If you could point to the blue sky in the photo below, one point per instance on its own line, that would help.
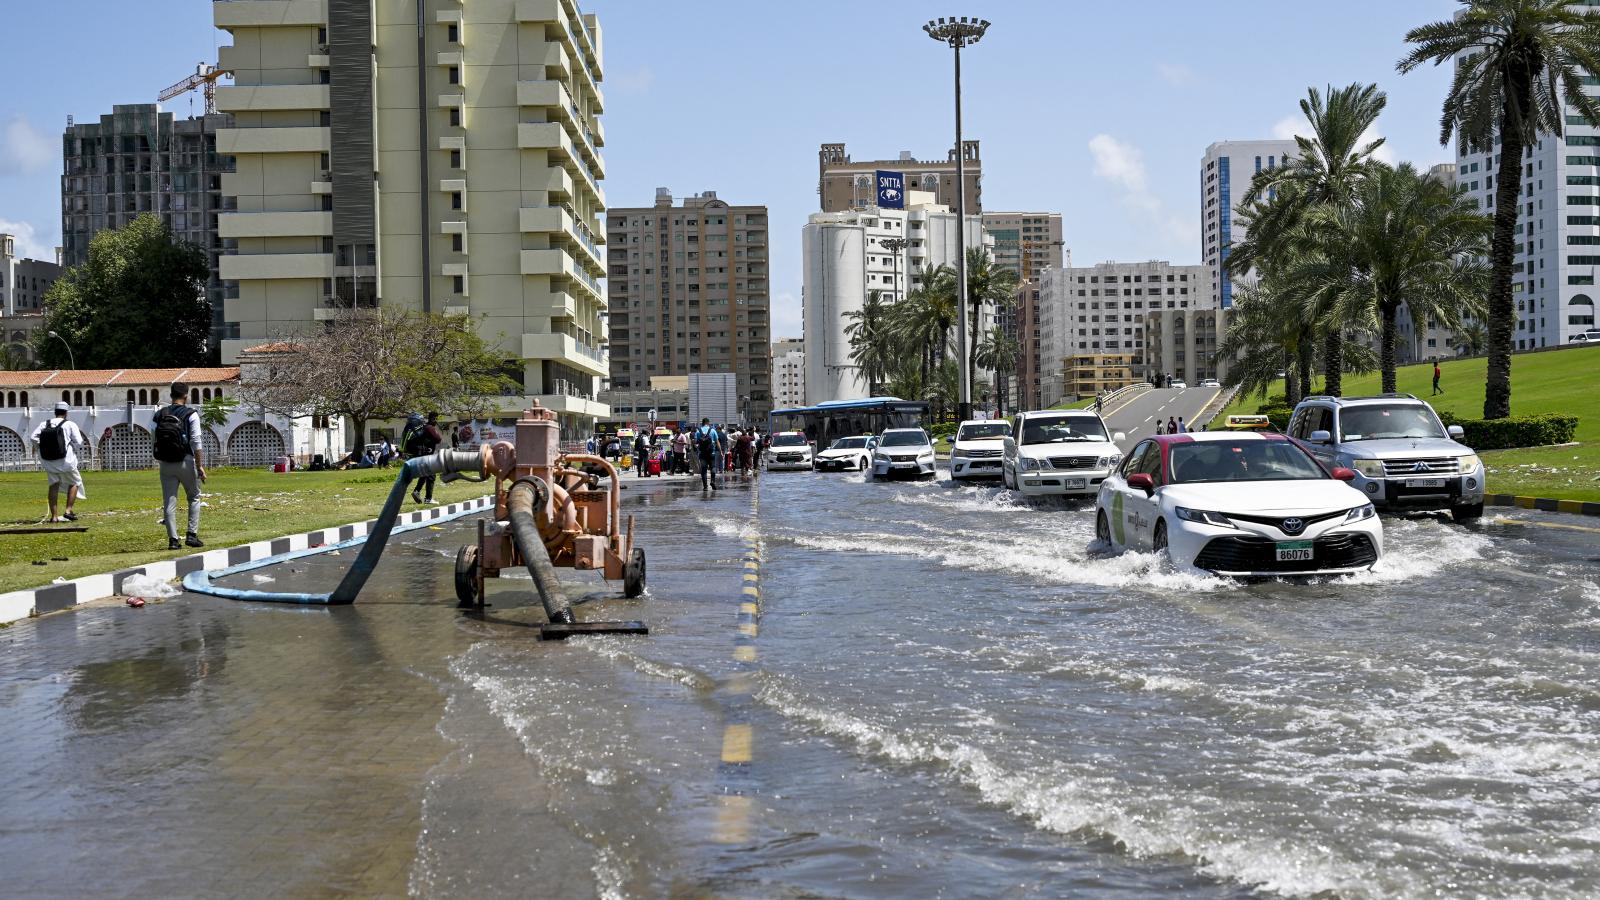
(1099, 111)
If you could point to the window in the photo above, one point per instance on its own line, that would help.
(456, 242)
(455, 200)
(455, 116)
(453, 34)
(455, 74)
(1580, 279)
(455, 159)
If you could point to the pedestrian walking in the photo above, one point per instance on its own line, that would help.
(705, 444)
(588, 445)
(455, 438)
(641, 454)
(179, 449)
(1172, 425)
(57, 440)
(422, 440)
(744, 451)
(680, 452)
(1182, 428)
(1436, 389)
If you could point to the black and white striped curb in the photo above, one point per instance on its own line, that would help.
(67, 594)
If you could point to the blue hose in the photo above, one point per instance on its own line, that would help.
(374, 541)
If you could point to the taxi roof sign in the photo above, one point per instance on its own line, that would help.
(1253, 422)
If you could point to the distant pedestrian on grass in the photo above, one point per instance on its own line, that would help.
(178, 451)
(57, 440)
(1436, 389)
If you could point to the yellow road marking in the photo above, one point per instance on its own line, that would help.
(733, 819)
(748, 629)
(751, 576)
(748, 607)
(742, 683)
(736, 744)
(744, 654)
(752, 591)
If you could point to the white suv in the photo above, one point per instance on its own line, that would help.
(978, 449)
(789, 450)
(1064, 452)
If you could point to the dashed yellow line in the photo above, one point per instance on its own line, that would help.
(733, 819)
(748, 607)
(1561, 525)
(736, 741)
(748, 629)
(745, 654)
(752, 591)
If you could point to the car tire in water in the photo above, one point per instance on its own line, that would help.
(861, 465)
(1006, 479)
(1160, 540)
(1468, 513)
(1102, 528)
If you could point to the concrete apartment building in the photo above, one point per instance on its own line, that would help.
(23, 284)
(1026, 242)
(1225, 174)
(1182, 343)
(788, 373)
(450, 164)
(843, 260)
(689, 292)
(1100, 310)
(844, 184)
(137, 160)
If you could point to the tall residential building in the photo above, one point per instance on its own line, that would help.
(140, 160)
(1026, 242)
(788, 373)
(1099, 310)
(1225, 175)
(690, 293)
(1028, 331)
(843, 260)
(844, 184)
(1558, 229)
(23, 283)
(1182, 343)
(448, 164)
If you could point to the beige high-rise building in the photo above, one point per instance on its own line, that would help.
(450, 165)
(690, 294)
(844, 184)
(1026, 242)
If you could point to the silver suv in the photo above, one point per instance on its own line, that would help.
(1403, 456)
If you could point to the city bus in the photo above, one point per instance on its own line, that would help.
(827, 422)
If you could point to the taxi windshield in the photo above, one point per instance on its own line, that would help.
(1242, 461)
(788, 440)
(855, 443)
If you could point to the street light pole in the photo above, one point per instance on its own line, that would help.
(71, 362)
(958, 33)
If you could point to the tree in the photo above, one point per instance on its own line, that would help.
(1404, 239)
(923, 319)
(1471, 338)
(871, 345)
(986, 283)
(214, 413)
(14, 358)
(1516, 63)
(138, 301)
(1266, 336)
(381, 364)
(998, 352)
(1331, 162)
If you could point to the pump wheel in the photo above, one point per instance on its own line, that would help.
(467, 577)
(633, 574)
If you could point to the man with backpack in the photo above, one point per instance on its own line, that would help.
(56, 440)
(420, 438)
(706, 447)
(178, 449)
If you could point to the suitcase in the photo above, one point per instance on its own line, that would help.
(655, 466)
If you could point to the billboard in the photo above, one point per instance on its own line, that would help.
(891, 190)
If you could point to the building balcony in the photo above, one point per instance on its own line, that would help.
(448, 58)
(269, 13)
(452, 101)
(571, 31)
(553, 138)
(559, 222)
(318, 60)
(449, 17)
(269, 97)
(558, 184)
(274, 266)
(274, 224)
(566, 349)
(575, 404)
(295, 139)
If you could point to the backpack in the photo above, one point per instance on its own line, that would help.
(53, 440)
(415, 430)
(704, 440)
(172, 433)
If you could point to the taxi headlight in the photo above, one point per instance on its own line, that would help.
(1470, 463)
(1369, 468)
(1204, 517)
(1365, 511)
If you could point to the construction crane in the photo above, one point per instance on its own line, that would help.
(205, 77)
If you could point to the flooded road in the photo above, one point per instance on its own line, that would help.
(946, 694)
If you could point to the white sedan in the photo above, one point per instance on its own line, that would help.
(1238, 504)
(847, 454)
(978, 449)
(903, 453)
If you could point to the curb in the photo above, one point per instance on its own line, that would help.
(1572, 507)
(53, 597)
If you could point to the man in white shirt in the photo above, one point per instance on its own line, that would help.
(57, 440)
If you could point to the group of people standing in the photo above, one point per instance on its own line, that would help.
(1172, 426)
(706, 449)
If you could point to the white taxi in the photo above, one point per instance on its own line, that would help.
(790, 451)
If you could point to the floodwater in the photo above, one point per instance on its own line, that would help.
(948, 695)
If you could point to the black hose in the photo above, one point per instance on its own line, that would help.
(525, 494)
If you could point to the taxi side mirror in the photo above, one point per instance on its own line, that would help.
(1143, 482)
(1344, 474)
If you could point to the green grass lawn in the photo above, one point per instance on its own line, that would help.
(1561, 381)
(124, 509)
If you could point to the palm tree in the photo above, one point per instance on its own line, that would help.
(1329, 166)
(998, 352)
(986, 283)
(1404, 239)
(871, 343)
(1266, 334)
(1518, 65)
(1471, 338)
(923, 319)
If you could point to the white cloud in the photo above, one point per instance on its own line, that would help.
(1123, 165)
(1175, 74)
(1291, 126)
(25, 150)
(29, 243)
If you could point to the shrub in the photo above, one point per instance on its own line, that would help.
(943, 430)
(1278, 410)
(1513, 431)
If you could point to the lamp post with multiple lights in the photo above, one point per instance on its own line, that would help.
(958, 33)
